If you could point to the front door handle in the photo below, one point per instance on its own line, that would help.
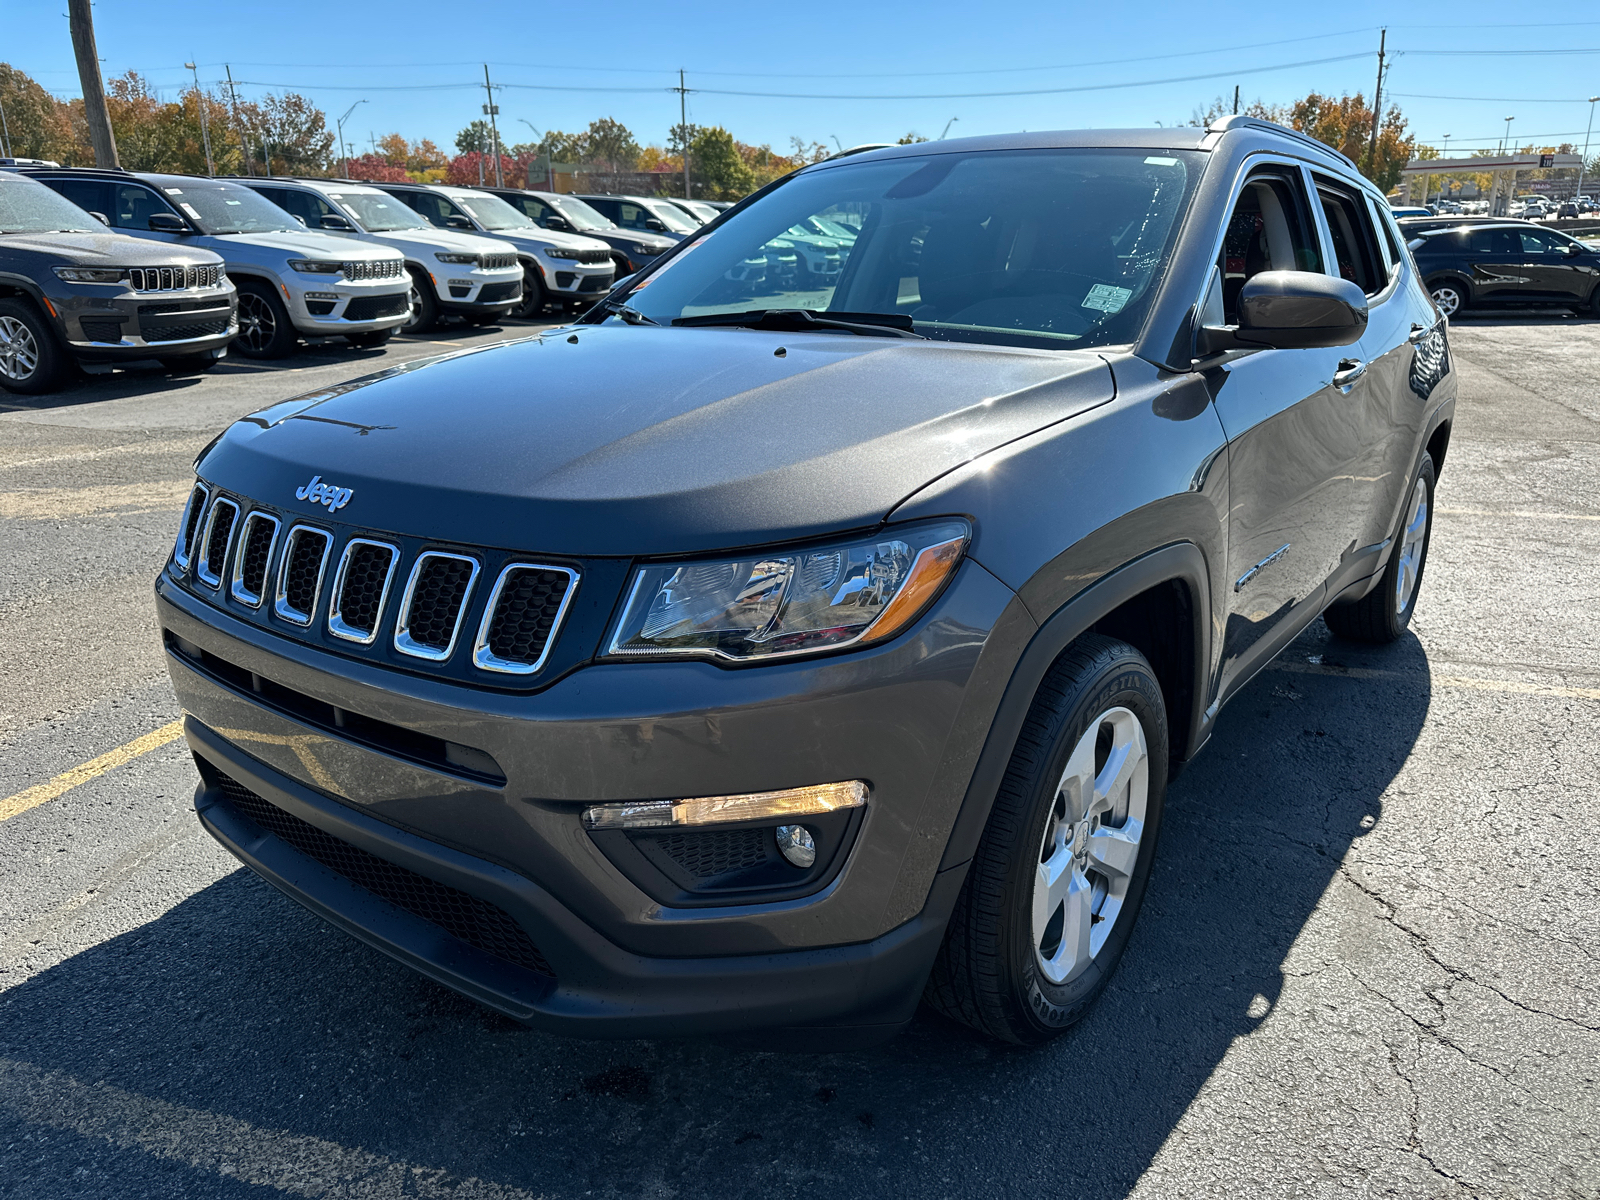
(1418, 332)
(1350, 370)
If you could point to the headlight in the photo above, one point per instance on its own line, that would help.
(783, 603)
(91, 274)
(312, 266)
(456, 258)
(563, 252)
(646, 251)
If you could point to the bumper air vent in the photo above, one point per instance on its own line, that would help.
(189, 526)
(499, 293)
(101, 330)
(361, 589)
(305, 557)
(707, 855)
(185, 333)
(524, 612)
(370, 308)
(214, 544)
(465, 917)
(256, 542)
(434, 603)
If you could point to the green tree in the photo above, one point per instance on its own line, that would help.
(909, 139)
(612, 143)
(718, 170)
(296, 135)
(474, 139)
(1345, 123)
(40, 126)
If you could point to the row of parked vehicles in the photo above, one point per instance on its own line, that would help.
(99, 266)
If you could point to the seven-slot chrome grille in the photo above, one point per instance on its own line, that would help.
(173, 279)
(356, 589)
(384, 268)
(494, 262)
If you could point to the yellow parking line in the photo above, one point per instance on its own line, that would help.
(95, 767)
(1530, 516)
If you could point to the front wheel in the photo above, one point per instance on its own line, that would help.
(31, 361)
(1053, 892)
(423, 314)
(1383, 614)
(1450, 296)
(264, 329)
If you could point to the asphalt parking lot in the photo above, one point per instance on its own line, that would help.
(1367, 965)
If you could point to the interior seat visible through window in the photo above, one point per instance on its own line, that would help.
(1353, 251)
(1269, 230)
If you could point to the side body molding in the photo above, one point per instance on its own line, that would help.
(1182, 562)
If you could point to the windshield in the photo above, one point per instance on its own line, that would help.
(1021, 247)
(27, 206)
(218, 208)
(492, 212)
(378, 212)
(579, 214)
(672, 217)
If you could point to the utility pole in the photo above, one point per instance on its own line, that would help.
(492, 110)
(5, 133)
(1377, 103)
(238, 125)
(683, 130)
(1236, 99)
(200, 103)
(1584, 161)
(94, 90)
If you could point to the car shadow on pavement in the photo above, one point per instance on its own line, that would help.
(237, 1004)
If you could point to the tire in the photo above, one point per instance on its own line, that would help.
(424, 307)
(534, 297)
(1450, 296)
(32, 361)
(1012, 964)
(264, 329)
(191, 364)
(1593, 307)
(1382, 615)
(369, 341)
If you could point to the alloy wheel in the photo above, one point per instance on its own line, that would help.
(1090, 845)
(1448, 299)
(19, 350)
(257, 323)
(414, 299)
(1411, 540)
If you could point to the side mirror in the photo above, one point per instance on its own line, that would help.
(299, 218)
(559, 224)
(1291, 310)
(101, 217)
(655, 224)
(456, 221)
(335, 221)
(619, 284)
(166, 223)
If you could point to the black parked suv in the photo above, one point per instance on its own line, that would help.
(72, 291)
(1495, 263)
(699, 668)
(632, 250)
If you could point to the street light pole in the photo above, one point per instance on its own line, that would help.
(344, 150)
(1584, 161)
(1505, 138)
(1444, 180)
(200, 103)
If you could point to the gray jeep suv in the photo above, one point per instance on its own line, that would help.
(71, 290)
(701, 668)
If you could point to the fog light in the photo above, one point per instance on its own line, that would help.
(322, 295)
(797, 844)
(711, 810)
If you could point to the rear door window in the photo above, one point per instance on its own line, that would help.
(135, 205)
(1355, 249)
(88, 194)
(1494, 241)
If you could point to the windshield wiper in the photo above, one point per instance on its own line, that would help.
(866, 324)
(630, 315)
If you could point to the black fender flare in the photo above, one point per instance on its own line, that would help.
(1181, 562)
(52, 319)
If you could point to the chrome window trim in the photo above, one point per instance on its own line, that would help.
(403, 640)
(485, 659)
(336, 624)
(236, 587)
(280, 602)
(202, 564)
(181, 554)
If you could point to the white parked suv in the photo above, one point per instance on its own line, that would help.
(561, 268)
(292, 281)
(471, 276)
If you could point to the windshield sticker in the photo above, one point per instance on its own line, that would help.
(227, 201)
(1106, 298)
(189, 208)
(174, 191)
(1160, 162)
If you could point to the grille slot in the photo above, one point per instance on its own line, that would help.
(361, 589)
(435, 601)
(521, 619)
(259, 536)
(370, 308)
(305, 558)
(465, 917)
(188, 526)
(707, 855)
(214, 546)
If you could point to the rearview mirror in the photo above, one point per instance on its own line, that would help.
(334, 221)
(166, 223)
(1291, 310)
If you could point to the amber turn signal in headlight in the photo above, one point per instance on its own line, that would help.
(714, 810)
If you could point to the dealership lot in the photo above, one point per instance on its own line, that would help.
(1367, 964)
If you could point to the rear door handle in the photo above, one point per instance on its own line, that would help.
(1350, 370)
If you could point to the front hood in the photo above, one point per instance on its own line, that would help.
(532, 238)
(444, 239)
(108, 249)
(636, 440)
(308, 243)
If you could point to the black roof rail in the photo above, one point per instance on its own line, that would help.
(1243, 120)
(861, 149)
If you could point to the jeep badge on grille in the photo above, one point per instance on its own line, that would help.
(325, 494)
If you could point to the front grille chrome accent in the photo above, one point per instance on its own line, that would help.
(305, 558)
(183, 551)
(386, 268)
(361, 590)
(518, 628)
(214, 543)
(173, 279)
(251, 560)
(434, 602)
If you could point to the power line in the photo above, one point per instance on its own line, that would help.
(1493, 99)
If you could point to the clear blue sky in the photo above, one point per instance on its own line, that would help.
(415, 64)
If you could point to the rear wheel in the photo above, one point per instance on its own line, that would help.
(1450, 296)
(424, 313)
(1383, 614)
(1055, 887)
(264, 329)
(369, 341)
(31, 360)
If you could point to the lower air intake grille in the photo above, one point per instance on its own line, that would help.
(705, 855)
(463, 916)
(499, 293)
(528, 603)
(182, 333)
(102, 331)
(370, 308)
